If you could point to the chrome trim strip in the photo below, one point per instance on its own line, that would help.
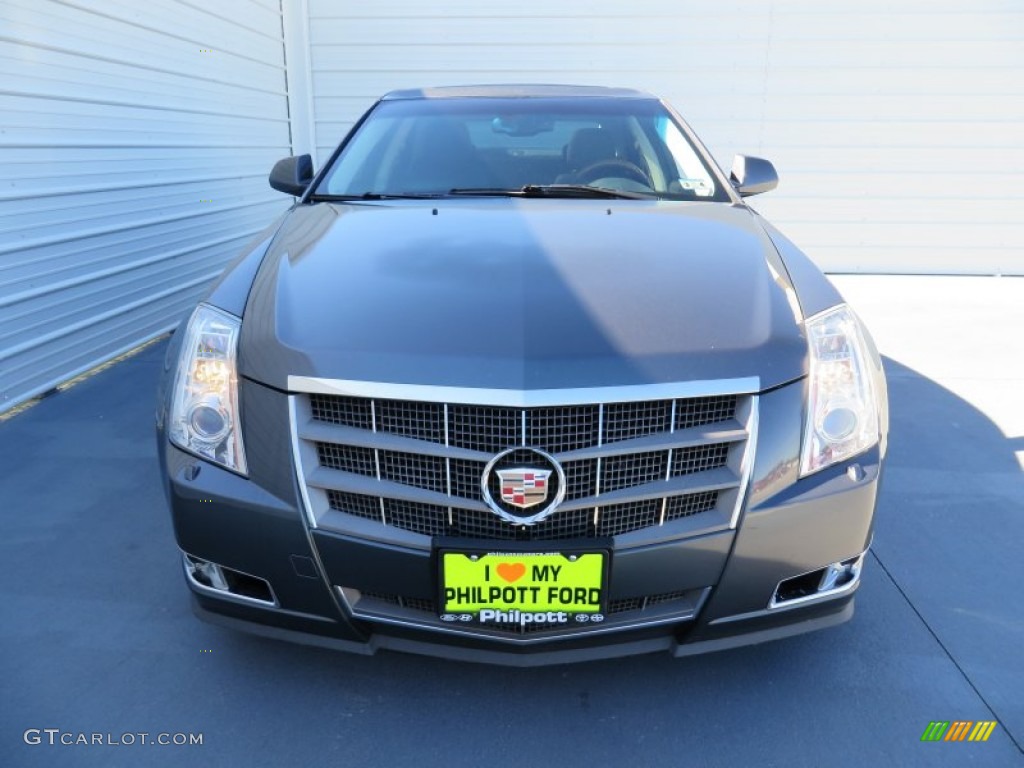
(519, 398)
(447, 468)
(376, 459)
(597, 468)
(747, 468)
(299, 469)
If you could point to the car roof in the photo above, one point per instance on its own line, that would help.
(524, 91)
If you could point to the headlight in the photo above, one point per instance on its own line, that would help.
(204, 405)
(842, 412)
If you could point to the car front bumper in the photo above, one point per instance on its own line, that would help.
(721, 589)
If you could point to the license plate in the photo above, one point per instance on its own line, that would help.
(501, 588)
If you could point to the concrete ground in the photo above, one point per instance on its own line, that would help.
(97, 636)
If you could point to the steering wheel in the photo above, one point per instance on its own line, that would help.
(620, 168)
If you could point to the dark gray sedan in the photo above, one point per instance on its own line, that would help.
(520, 378)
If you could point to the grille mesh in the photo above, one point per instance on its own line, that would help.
(579, 478)
(691, 504)
(490, 430)
(698, 458)
(414, 469)
(621, 605)
(567, 428)
(422, 421)
(466, 476)
(427, 519)
(355, 504)
(433, 520)
(620, 518)
(345, 411)
(632, 469)
(574, 524)
(484, 429)
(624, 421)
(698, 411)
(347, 458)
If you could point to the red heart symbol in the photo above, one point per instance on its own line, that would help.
(511, 571)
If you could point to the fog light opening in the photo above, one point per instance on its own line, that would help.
(218, 578)
(830, 581)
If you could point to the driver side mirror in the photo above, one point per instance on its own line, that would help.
(292, 174)
(752, 175)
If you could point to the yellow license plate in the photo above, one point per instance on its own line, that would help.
(528, 587)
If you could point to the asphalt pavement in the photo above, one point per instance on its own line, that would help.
(97, 639)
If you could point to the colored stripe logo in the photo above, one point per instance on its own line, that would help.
(959, 730)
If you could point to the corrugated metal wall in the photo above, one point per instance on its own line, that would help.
(896, 127)
(135, 138)
(135, 145)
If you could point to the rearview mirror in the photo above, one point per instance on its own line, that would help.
(292, 174)
(753, 175)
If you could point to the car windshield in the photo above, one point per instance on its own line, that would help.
(580, 147)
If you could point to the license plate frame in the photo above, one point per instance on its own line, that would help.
(524, 578)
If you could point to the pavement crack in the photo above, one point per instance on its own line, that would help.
(949, 655)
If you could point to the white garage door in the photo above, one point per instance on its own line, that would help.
(896, 127)
(135, 145)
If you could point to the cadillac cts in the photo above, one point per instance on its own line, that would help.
(520, 378)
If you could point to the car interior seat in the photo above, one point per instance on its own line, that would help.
(586, 147)
(439, 156)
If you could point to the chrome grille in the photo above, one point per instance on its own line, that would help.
(418, 466)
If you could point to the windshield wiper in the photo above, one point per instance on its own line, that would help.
(377, 196)
(554, 190)
(529, 190)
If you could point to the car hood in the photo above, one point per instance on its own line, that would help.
(522, 294)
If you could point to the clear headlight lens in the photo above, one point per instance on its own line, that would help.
(204, 406)
(842, 412)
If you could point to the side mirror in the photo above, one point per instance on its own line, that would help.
(292, 174)
(752, 175)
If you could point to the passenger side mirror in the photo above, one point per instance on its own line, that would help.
(292, 174)
(752, 175)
